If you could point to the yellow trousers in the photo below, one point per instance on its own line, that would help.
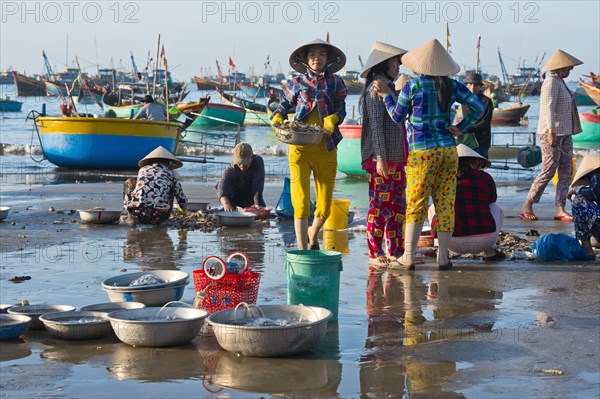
(323, 165)
(431, 173)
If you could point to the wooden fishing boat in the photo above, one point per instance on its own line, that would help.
(253, 91)
(256, 114)
(8, 105)
(592, 92)
(590, 136)
(110, 101)
(353, 83)
(103, 143)
(205, 84)
(581, 97)
(28, 87)
(509, 113)
(219, 116)
(348, 155)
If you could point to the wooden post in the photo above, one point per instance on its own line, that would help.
(155, 66)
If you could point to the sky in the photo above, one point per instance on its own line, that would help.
(197, 33)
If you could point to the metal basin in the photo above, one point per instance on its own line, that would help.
(77, 326)
(197, 206)
(12, 326)
(108, 307)
(262, 213)
(4, 307)
(157, 327)
(236, 219)
(121, 283)
(4, 212)
(99, 215)
(35, 311)
(307, 330)
(149, 297)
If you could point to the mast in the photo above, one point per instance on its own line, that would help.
(156, 66)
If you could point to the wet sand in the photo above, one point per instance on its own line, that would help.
(506, 329)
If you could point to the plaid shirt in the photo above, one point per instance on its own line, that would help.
(556, 107)
(428, 122)
(381, 137)
(325, 92)
(474, 194)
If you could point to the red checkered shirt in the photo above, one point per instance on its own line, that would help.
(474, 194)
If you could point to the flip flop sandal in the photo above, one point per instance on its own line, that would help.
(380, 262)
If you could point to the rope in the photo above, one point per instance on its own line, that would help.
(33, 115)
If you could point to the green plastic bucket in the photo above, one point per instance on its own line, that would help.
(314, 279)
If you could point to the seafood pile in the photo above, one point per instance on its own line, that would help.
(295, 132)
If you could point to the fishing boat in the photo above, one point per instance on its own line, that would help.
(219, 116)
(581, 97)
(110, 101)
(205, 84)
(509, 113)
(349, 158)
(352, 82)
(103, 143)
(28, 87)
(592, 92)
(253, 91)
(256, 114)
(590, 136)
(8, 105)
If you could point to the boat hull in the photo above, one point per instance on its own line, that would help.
(103, 143)
(349, 158)
(220, 112)
(590, 136)
(10, 106)
(509, 116)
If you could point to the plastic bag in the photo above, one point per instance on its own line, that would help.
(559, 246)
(146, 279)
(284, 207)
(468, 139)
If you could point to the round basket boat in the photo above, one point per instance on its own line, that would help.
(300, 135)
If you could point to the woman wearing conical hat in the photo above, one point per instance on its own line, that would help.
(478, 218)
(383, 151)
(559, 121)
(319, 98)
(432, 159)
(585, 199)
(148, 199)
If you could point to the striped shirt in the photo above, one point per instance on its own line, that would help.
(381, 138)
(324, 92)
(427, 121)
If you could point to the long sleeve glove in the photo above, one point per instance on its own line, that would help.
(329, 123)
(277, 119)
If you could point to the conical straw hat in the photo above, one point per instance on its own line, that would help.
(430, 59)
(160, 153)
(465, 151)
(590, 163)
(560, 59)
(400, 82)
(332, 54)
(381, 52)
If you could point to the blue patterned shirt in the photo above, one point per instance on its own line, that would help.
(325, 92)
(427, 121)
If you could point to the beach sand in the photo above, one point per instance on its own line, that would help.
(506, 329)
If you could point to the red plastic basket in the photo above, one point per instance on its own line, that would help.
(227, 291)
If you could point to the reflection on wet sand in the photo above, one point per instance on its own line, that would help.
(251, 242)
(397, 305)
(313, 374)
(18, 349)
(156, 364)
(151, 247)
